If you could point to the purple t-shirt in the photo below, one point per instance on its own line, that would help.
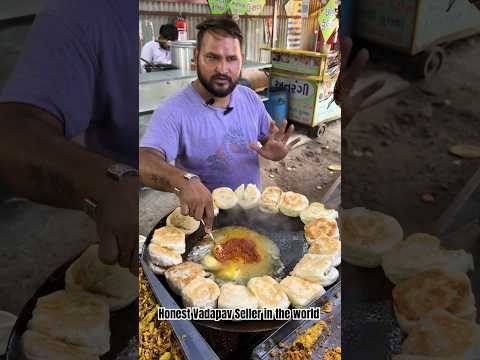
(80, 63)
(204, 141)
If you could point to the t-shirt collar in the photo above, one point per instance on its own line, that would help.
(200, 99)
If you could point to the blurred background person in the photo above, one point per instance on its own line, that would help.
(158, 51)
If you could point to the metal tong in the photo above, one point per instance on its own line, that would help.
(209, 233)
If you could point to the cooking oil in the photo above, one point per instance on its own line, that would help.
(240, 253)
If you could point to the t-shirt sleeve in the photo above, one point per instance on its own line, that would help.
(56, 71)
(146, 54)
(163, 133)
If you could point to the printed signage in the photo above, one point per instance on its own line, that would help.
(255, 7)
(328, 19)
(218, 7)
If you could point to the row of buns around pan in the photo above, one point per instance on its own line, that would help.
(306, 282)
(433, 300)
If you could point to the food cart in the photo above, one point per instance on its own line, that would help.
(417, 28)
(310, 79)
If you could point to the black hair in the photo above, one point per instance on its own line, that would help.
(169, 32)
(221, 25)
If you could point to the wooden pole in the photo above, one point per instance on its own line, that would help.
(275, 23)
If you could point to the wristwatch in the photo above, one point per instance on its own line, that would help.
(116, 172)
(187, 176)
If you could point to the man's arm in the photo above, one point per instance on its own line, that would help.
(146, 54)
(157, 173)
(50, 169)
(47, 168)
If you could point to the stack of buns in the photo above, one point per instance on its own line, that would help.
(196, 285)
(166, 248)
(432, 300)
(74, 323)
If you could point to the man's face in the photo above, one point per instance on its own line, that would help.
(219, 64)
(164, 42)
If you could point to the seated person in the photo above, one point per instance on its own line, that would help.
(158, 51)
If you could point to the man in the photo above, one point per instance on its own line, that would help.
(78, 76)
(211, 129)
(158, 51)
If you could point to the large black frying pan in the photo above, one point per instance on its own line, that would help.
(286, 232)
(123, 323)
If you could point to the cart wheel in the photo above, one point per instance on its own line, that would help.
(321, 130)
(317, 131)
(429, 62)
(313, 132)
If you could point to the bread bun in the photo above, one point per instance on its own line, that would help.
(201, 292)
(169, 237)
(292, 204)
(317, 210)
(301, 292)
(187, 224)
(224, 198)
(270, 199)
(37, 346)
(163, 257)
(269, 293)
(422, 252)
(73, 317)
(430, 290)
(367, 235)
(115, 284)
(248, 196)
